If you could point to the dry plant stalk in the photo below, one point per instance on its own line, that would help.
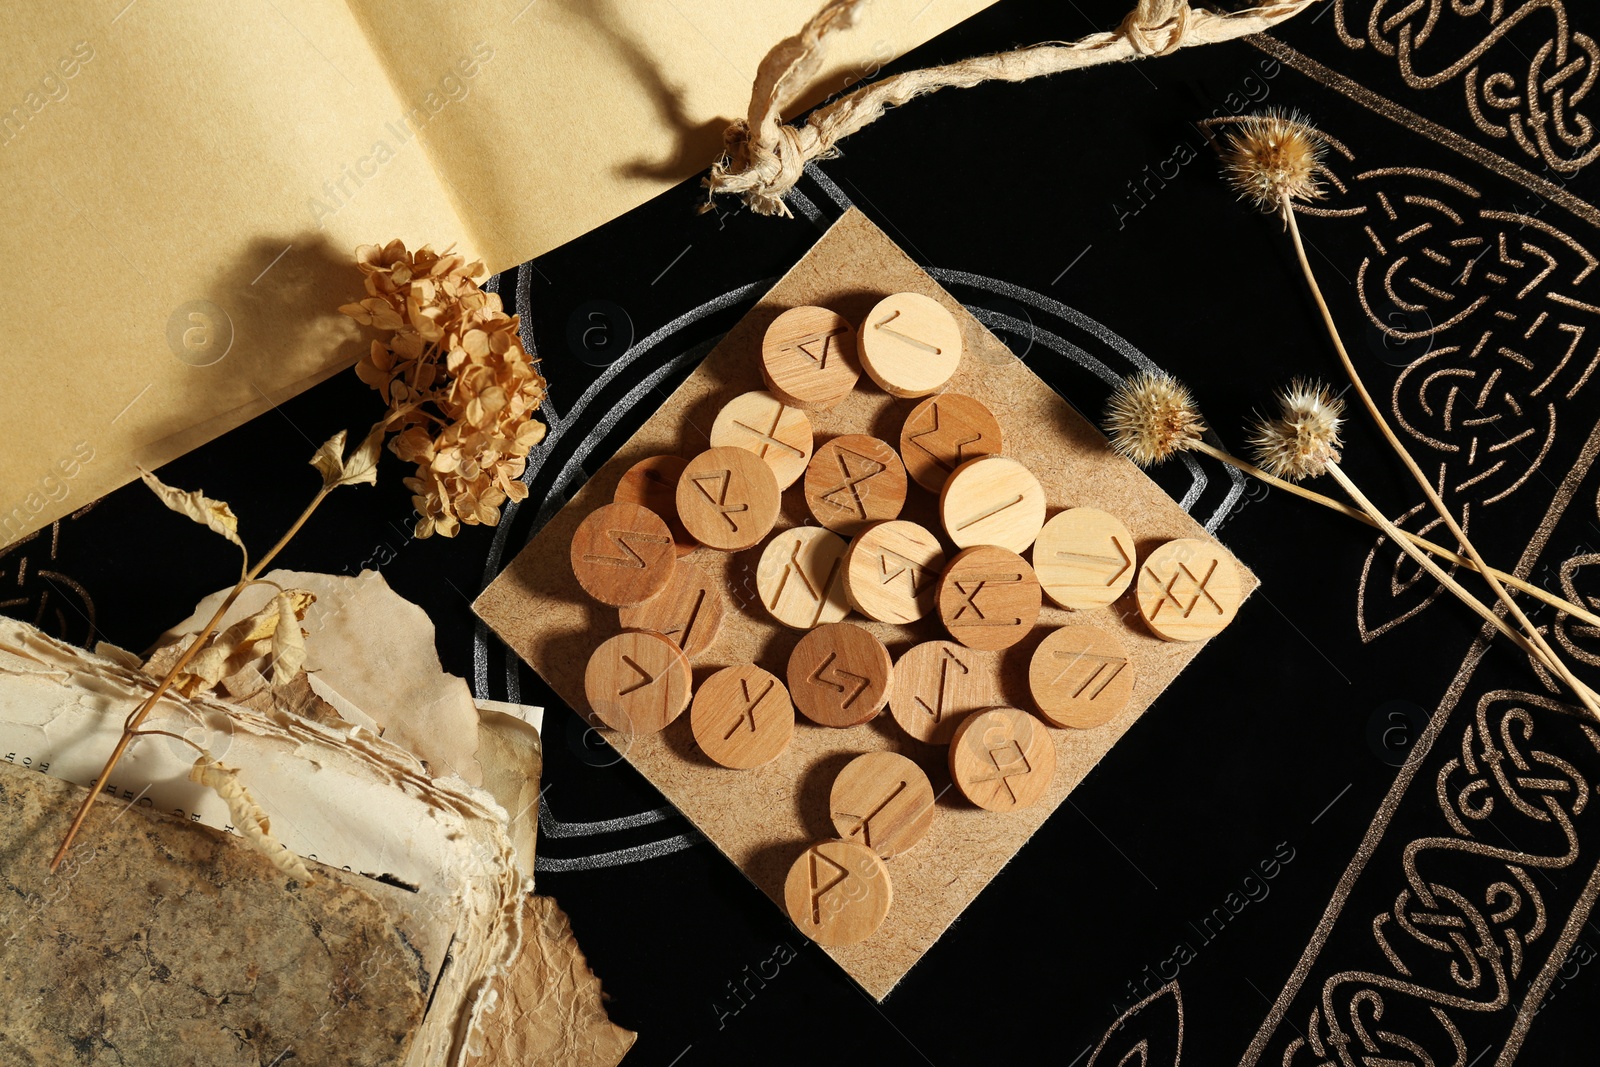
(763, 157)
(461, 388)
(1273, 159)
(280, 623)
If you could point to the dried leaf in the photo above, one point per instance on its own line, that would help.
(288, 642)
(211, 664)
(362, 466)
(213, 514)
(248, 818)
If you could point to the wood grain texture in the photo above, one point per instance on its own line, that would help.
(653, 483)
(742, 717)
(728, 498)
(637, 682)
(882, 800)
(839, 675)
(992, 500)
(988, 597)
(942, 433)
(1080, 676)
(800, 578)
(1189, 589)
(759, 422)
(854, 481)
(1002, 759)
(939, 683)
(910, 345)
(689, 610)
(763, 818)
(891, 571)
(838, 892)
(1084, 558)
(622, 554)
(808, 358)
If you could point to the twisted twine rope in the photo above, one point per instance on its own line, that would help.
(763, 157)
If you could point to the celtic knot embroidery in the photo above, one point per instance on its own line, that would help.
(1526, 80)
(1463, 929)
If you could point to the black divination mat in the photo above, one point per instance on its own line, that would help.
(1348, 831)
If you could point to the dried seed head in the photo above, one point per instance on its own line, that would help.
(1304, 437)
(1152, 417)
(1272, 158)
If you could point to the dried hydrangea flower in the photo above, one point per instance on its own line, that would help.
(1152, 417)
(1304, 437)
(1272, 158)
(461, 388)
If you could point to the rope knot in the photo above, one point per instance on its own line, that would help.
(760, 171)
(1153, 19)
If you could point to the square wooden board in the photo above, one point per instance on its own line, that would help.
(764, 819)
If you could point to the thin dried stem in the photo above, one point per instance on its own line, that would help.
(1547, 654)
(130, 728)
(1566, 607)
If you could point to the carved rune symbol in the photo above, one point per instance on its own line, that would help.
(625, 540)
(863, 824)
(723, 481)
(796, 567)
(946, 439)
(747, 717)
(992, 512)
(969, 588)
(823, 881)
(766, 436)
(883, 326)
(1009, 762)
(1106, 669)
(861, 681)
(681, 632)
(1118, 564)
(937, 708)
(646, 679)
(916, 577)
(1200, 591)
(866, 469)
(817, 347)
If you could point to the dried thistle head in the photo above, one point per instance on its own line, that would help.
(461, 388)
(1303, 438)
(1152, 417)
(1272, 158)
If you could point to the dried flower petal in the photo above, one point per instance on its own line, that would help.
(215, 515)
(248, 817)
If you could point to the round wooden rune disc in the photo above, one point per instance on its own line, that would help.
(1002, 759)
(910, 345)
(777, 432)
(800, 578)
(992, 500)
(942, 433)
(891, 571)
(939, 683)
(728, 498)
(838, 892)
(1080, 676)
(1084, 558)
(653, 483)
(808, 358)
(688, 611)
(882, 800)
(742, 717)
(622, 554)
(853, 481)
(1188, 590)
(637, 682)
(839, 675)
(988, 597)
